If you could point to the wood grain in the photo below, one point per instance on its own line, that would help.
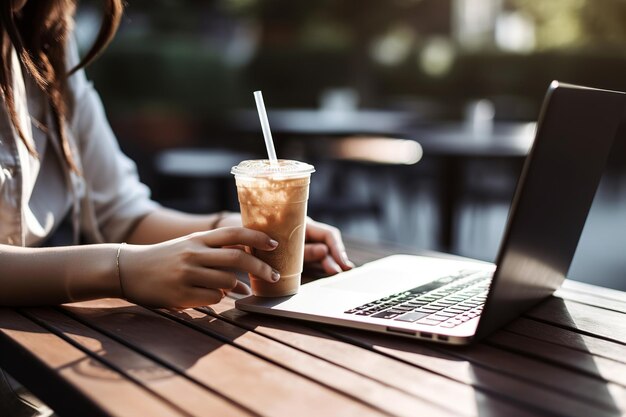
(365, 390)
(582, 318)
(591, 299)
(562, 337)
(576, 360)
(413, 380)
(169, 385)
(490, 370)
(69, 380)
(255, 384)
(606, 293)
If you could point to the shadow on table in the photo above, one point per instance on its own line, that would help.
(137, 342)
(522, 374)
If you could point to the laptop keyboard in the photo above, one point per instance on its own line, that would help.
(446, 302)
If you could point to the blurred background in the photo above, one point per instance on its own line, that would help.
(416, 113)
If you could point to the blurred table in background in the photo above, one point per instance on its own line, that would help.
(321, 134)
(314, 122)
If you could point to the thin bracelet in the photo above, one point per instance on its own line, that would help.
(117, 267)
(218, 218)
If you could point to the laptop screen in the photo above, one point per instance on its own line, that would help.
(575, 132)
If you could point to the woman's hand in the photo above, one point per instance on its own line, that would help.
(194, 270)
(324, 248)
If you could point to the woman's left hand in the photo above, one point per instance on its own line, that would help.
(324, 247)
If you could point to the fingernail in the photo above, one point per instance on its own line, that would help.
(273, 243)
(275, 275)
(345, 260)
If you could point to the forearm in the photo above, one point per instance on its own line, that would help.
(50, 276)
(165, 224)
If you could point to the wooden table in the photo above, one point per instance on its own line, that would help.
(565, 357)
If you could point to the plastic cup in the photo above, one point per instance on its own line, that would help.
(273, 199)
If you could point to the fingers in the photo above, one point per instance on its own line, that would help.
(315, 252)
(239, 260)
(232, 236)
(319, 232)
(318, 253)
(330, 266)
(212, 278)
(241, 288)
(197, 296)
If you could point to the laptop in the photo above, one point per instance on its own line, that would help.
(457, 301)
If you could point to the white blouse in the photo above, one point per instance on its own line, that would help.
(36, 194)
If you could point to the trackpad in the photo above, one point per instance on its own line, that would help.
(390, 275)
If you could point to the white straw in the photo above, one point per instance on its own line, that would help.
(265, 125)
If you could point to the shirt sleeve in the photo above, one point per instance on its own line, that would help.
(118, 197)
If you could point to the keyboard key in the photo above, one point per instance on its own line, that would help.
(471, 303)
(364, 312)
(428, 287)
(388, 314)
(411, 317)
(416, 303)
(428, 309)
(448, 325)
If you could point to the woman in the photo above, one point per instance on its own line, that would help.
(58, 158)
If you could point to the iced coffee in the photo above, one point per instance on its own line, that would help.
(273, 199)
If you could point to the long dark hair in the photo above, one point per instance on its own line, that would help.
(39, 33)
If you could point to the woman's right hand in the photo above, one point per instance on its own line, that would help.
(193, 270)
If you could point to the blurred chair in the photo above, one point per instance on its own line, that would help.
(197, 180)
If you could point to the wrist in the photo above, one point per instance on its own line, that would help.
(118, 270)
(106, 282)
(217, 219)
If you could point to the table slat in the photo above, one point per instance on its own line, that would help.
(562, 337)
(256, 384)
(582, 318)
(183, 393)
(595, 366)
(607, 293)
(456, 364)
(592, 300)
(365, 390)
(418, 382)
(68, 379)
